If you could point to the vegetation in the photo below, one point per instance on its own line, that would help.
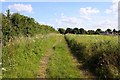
(14, 25)
(83, 31)
(61, 30)
(61, 63)
(21, 57)
(26, 42)
(99, 53)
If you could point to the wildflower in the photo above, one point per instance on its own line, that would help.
(33, 40)
(4, 69)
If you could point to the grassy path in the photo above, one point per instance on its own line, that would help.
(44, 61)
(58, 62)
(43, 64)
(62, 64)
(84, 71)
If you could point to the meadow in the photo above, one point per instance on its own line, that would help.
(21, 56)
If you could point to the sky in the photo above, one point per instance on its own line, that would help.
(87, 15)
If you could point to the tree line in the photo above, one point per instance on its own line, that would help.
(83, 31)
(19, 25)
(15, 24)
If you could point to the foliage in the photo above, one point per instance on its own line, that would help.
(108, 30)
(90, 32)
(75, 31)
(98, 31)
(20, 25)
(21, 57)
(82, 31)
(61, 30)
(99, 53)
(68, 30)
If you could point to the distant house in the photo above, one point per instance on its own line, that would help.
(104, 33)
(108, 33)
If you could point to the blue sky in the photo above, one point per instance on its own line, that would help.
(88, 15)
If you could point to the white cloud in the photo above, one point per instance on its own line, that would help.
(21, 7)
(114, 8)
(113, 12)
(2, 0)
(66, 21)
(108, 11)
(87, 12)
(105, 24)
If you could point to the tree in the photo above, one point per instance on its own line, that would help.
(68, 30)
(82, 31)
(91, 31)
(61, 30)
(109, 30)
(114, 31)
(75, 31)
(98, 31)
(15, 24)
(8, 13)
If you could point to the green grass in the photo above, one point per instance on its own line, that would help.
(100, 53)
(61, 64)
(21, 56)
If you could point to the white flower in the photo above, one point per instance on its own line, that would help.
(33, 40)
(4, 69)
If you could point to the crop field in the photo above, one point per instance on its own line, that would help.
(62, 56)
(98, 53)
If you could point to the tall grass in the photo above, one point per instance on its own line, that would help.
(99, 53)
(22, 55)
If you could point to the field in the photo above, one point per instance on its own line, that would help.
(57, 39)
(62, 56)
(100, 54)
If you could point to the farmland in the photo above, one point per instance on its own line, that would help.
(97, 54)
(34, 50)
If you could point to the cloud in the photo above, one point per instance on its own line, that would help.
(105, 24)
(112, 12)
(2, 0)
(87, 12)
(114, 8)
(65, 21)
(21, 7)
